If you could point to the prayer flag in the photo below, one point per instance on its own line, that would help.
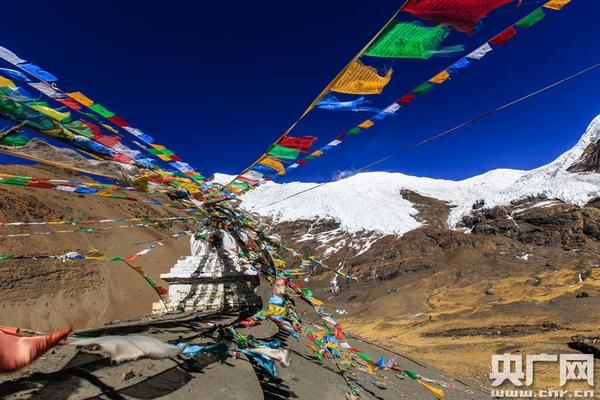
(440, 78)
(272, 163)
(480, 52)
(283, 152)
(411, 40)
(423, 88)
(81, 98)
(406, 99)
(14, 74)
(5, 82)
(503, 37)
(10, 56)
(366, 124)
(302, 143)
(462, 15)
(100, 109)
(38, 72)
(361, 79)
(531, 18)
(552, 4)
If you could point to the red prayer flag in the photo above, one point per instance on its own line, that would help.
(108, 141)
(462, 15)
(503, 37)
(95, 129)
(72, 104)
(118, 121)
(122, 159)
(406, 99)
(302, 142)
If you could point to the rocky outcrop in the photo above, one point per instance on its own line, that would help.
(537, 221)
(589, 161)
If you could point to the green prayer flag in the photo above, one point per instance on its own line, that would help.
(79, 128)
(15, 181)
(411, 374)
(240, 185)
(364, 356)
(354, 131)
(423, 88)
(411, 40)
(116, 259)
(531, 18)
(100, 109)
(307, 292)
(283, 152)
(6, 257)
(15, 141)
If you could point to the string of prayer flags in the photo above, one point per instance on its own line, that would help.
(411, 40)
(556, 4)
(503, 37)
(401, 39)
(461, 15)
(361, 79)
(530, 19)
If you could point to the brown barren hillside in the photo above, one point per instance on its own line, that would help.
(44, 294)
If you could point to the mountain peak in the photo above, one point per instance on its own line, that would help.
(373, 201)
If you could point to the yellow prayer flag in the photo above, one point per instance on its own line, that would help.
(366, 124)
(556, 4)
(110, 128)
(4, 82)
(275, 310)
(163, 157)
(158, 147)
(316, 153)
(361, 79)
(438, 393)
(52, 113)
(272, 163)
(440, 78)
(81, 98)
(315, 302)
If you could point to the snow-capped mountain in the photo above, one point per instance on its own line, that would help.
(373, 201)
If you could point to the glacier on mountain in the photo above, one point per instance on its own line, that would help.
(371, 201)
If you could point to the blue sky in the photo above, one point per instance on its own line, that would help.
(217, 82)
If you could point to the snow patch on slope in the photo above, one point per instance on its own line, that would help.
(372, 201)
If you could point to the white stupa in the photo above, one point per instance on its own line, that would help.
(214, 277)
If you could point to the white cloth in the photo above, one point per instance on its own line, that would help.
(125, 348)
(10, 56)
(281, 355)
(480, 52)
